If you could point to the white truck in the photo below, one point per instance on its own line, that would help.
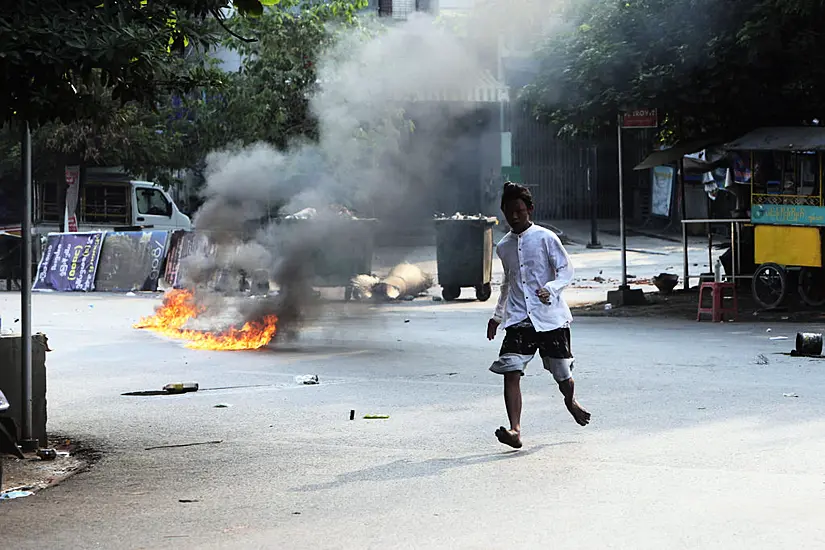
(107, 203)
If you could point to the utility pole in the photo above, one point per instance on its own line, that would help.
(28, 443)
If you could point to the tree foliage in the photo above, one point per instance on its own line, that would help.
(708, 66)
(53, 49)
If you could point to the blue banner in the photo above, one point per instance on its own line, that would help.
(69, 262)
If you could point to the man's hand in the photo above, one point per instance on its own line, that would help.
(492, 328)
(544, 295)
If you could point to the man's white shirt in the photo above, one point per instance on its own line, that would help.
(532, 260)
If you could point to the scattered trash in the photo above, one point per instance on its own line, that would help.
(352, 414)
(701, 408)
(608, 307)
(808, 343)
(789, 395)
(305, 214)
(438, 299)
(406, 320)
(785, 318)
(181, 387)
(184, 445)
(768, 330)
(13, 494)
(187, 500)
(779, 337)
(47, 454)
(222, 406)
(376, 416)
(598, 279)
(131, 294)
(761, 359)
(408, 298)
(307, 379)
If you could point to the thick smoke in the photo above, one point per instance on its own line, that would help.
(365, 158)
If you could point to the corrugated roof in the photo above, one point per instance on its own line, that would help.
(485, 89)
(673, 154)
(789, 138)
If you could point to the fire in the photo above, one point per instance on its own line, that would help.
(179, 307)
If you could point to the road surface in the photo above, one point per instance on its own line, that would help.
(692, 444)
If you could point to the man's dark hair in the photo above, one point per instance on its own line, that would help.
(513, 191)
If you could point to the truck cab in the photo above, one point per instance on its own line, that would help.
(108, 204)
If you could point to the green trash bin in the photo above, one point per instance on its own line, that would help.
(464, 250)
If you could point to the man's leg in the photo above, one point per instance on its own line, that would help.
(558, 359)
(512, 400)
(581, 416)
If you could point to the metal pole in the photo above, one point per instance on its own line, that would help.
(683, 212)
(622, 235)
(594, 198)
(27, 442)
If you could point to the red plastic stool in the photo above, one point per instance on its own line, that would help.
(718, 309)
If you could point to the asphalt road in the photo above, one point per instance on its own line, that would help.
(692, 444)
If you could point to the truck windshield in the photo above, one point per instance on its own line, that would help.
(151, 202)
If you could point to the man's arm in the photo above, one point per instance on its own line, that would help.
(498, 315)
(561, 264)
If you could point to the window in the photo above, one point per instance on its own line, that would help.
(151, 202)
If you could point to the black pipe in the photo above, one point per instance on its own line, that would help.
(592, 186)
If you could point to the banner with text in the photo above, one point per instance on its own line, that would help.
(69, 262)
(131, 261)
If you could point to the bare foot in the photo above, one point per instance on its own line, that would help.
(581, 416)
(509, 437)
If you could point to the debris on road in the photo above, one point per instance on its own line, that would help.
(352, 414)
(779, 337)
(15, 493)
(307, 379)
(767, 330)
(47, 454)
(176, 446)
(761, 359)
(438, 299)
(181, 387)
(376, 416)
(790, 395)
(808, 343)
(187, 500)
(222, 406)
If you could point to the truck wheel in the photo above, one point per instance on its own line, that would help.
(812, 286)
(483, 292)
(450, 293)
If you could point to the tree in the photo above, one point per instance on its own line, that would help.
(53, 50)
(709, 67)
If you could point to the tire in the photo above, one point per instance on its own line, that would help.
(483, 292)
(450, 293)
(812, 286)
(769, 285)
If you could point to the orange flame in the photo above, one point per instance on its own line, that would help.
(179, 307)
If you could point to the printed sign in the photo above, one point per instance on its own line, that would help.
(69, 262)
(131, 260)
(641, 118)
(662, 190)
(184, 245)
(784, 214)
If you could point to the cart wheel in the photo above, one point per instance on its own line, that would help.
(483, 292)
(348, 294)
(450, 293)
(812, 286)
(769, 285)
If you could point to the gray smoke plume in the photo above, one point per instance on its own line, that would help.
(365, 158)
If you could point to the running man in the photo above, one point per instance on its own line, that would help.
(531, 309)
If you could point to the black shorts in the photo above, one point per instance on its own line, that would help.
(521, 343)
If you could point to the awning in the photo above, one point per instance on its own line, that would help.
(678, 151)
(790, 138)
